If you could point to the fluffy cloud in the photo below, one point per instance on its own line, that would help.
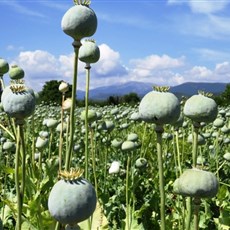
(153, 62)
(207, 7)
(200, 6)
(41, 66)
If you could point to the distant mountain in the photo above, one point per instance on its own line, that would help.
(141, 88)
(190, 88)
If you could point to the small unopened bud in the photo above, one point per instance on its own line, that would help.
(115, 167)
(66, 105)
(63, 87)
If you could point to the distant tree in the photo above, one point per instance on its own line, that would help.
(113, 100)
(224, 98)
(50, 92)
(131, 98)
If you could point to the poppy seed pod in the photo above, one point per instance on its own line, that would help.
(16, 72)
(159, 107)
(196, 183)
(63, 87)
(77, 201)
(79, 21)
(4, 67)
(89, 52)
(200, 108)
(18, 101)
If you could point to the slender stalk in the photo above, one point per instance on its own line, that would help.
(195, 144)
(76, 45)
(2, 84)
(50, 143)
(178, 152)
(87, 67)
(196, 213)
(159, 130)
(189, 212)
(7, 131)
(17, 179)
(61, 136)
(194, 159)
(23, 155)
(127, 225)
(93, 160)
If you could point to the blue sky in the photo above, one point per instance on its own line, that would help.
(165, 42)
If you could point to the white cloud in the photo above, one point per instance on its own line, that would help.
(223, 68)
(153, 62)
(109, 62)
(199, 73)
(207, 7)
(212, 55)
(41, 66)
(207, 23)
(18, 7)
(202, 6)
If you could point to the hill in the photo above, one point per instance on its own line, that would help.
(141, 88)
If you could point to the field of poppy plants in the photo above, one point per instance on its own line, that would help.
(161, 164)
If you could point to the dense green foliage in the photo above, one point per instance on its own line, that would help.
(142, 187)
(51, 94)
(224, 98)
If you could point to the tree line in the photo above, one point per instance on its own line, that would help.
(51, 94)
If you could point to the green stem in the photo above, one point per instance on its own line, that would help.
(6, 130)
(194, 161)
(23, 153)
(19, 193)
(2, 85)
(196, 213)
(195, 144)
(93, 161)
(189, 212)
(217, 171)
(127, 225)
(50, 143)
(178, 152)
(159, 130)
(61, 136)
(87, 67)
(76, 45)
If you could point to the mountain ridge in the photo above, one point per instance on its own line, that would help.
(141, 88)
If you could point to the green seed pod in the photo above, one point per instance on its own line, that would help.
(79, 21)
(132, 137)
(196, 183)
(200, 108)
(114, 111)
(108, 125)
(116, 143)
(18, 101)
(4, 67)
(52, 123)
(218, 122)
(8, 145)
(200, 140)
(92, 115)
(89, 52)
(77, 201)
(227, 156)
(41, 142)
(128, 146)
(141, 163)
(16, 72)
(159, 108)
